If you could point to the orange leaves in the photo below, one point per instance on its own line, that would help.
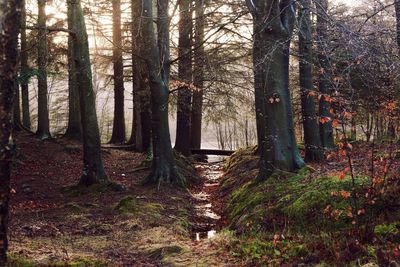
(324, 120)
(312, 93)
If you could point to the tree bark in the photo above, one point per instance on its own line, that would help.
(325, 125)
(312, 141)
(141, 123)
(43, 129)
(9, 30)
(26, 117)
(198, 76)
(273, 24)
(118, 133)
(93, 170)
(182, 142)
(164, 169)
(74, 130)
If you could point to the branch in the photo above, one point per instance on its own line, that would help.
(52, 29)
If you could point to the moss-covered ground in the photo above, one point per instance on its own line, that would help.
(309, 217)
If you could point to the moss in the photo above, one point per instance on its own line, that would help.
(127, 205)
(149, 213)
(240, 158)
(81, 262)
(15, 260)
(294, 197)
(160, 253)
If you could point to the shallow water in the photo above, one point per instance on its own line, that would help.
(207, 218)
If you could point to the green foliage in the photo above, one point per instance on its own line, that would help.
(389, 231)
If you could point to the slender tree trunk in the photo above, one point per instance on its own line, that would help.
(17, 109)
(198, 76)
(141, 124)
(313, 151)
(74, 130)
(118, 134)
(182, 142)
(9, 30)
(26, 117)
(278, 147)
(43, 129)
(164, 169)
(325, 125)
(93, 170)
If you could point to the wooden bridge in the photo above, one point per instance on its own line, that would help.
(214, 152)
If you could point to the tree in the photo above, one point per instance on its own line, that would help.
(325, 125)
(43, 129)
(26, 117)
(9, 30)
(141, 122)
(312, 139)
(74, 129)
(93, 170)
(182, 142)
(118, 133)
(198, 75)
(273, 27)
(163, 168)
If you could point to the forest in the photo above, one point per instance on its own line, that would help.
(199, 133)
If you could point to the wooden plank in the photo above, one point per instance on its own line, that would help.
(215, 152)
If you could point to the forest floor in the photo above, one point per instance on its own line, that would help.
(54, 224)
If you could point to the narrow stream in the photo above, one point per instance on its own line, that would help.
(206, 216)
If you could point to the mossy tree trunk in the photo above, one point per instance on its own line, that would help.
(74, 129)
(273, 27)
(26, 117)
(93, 170)
(118, 133)
(9, 30)
(198, 75)
(43, 129)
(163, 169)
(325, 125)
(182, 142)
(312, 141)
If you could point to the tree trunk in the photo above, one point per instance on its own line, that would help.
(164, 169)
(93, 170)
(198, 76)
(26, 117)
(16, 109)
(9, 30)
(74, 130)
(312, 142)
(182, 142)
(141, 124)
(273, 24)
(325, 125)
(43, 129)
(118, 133)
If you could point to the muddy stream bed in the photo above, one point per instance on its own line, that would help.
(206, 218)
